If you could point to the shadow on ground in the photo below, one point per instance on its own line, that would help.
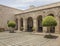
(51, 36)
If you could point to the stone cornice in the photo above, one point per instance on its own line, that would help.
(42, 7)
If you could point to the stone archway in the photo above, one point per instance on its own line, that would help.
(39, 20)
(52, 29)
(21, 24)
(29, 24)
(51, 15)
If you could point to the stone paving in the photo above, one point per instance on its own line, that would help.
(26, 39)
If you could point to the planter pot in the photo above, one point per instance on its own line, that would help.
(11, 30)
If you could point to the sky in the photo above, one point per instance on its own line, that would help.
(24, 4)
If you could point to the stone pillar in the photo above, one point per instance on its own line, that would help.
(57, 27)
(59, 24)
(35, 24)
(24, 24)
(18, 24)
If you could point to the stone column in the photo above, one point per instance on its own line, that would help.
(57, 27)
(24, 24)
(35, 24)
(18, 24)
(59, 24)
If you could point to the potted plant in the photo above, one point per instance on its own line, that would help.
(49, 21)
(11, 25)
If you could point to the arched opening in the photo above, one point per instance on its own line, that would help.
(39, 20)
(16, 28)
(21, 24)
(29, 24)
(52, 29)
(51, 15)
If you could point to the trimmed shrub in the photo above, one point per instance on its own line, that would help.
(49, 21)
(11, 24)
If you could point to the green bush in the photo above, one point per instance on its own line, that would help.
(11, 24)
(49, 21)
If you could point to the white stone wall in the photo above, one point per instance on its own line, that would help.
(7, 13)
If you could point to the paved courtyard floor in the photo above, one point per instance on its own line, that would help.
(26, 39)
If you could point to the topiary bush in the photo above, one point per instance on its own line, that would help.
(11, 24)
(49, 21)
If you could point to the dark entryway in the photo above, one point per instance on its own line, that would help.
(29, 24)
(21, 24)
(40, 28)
(52, 29)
